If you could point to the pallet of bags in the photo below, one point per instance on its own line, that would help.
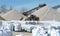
(54, 32)
(12, 25)
(29, 28)
(58, 32)
(17, 26)
(7, 33)
(7, 28)
(23, 26)
(38, 31)
(13, 22)
(7, 25)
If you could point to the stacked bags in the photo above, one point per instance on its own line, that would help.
(27, 28)
(17, 26)
(7, 28)
(54, 32)
(23, 26)
(12, 25)
(7, 25)
(38, 31)
(5, 32)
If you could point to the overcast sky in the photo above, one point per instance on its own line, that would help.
(29, 4)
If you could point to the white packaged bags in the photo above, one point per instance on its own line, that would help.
(17, 26)
(7, 25)
(53, 32)
(7, 28)
(58, 32)
(34, 31)
(38, 32)
(7, 33)
(27, 28)
(23, 26)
